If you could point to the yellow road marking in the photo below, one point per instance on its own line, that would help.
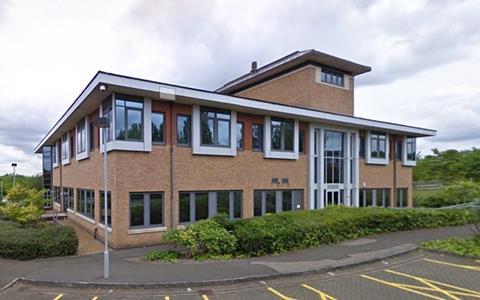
(280, 295)
(478, 260)
(58, 297)
(167, 298)
(473, 268)
(204, 297)
(95, 298)
(322, 295)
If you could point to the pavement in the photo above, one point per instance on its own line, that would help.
(126, 270)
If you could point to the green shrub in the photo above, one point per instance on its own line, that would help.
(455, 193)
(26, 196)
(22, 214)
(170, 256)
(470, 247)
(44, 241)
(206, 237)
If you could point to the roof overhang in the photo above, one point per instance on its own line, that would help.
(91, 98)
(291, 62)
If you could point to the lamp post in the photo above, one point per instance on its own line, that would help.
(101, 122)
(14, 165)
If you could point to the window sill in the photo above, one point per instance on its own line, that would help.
(91, 221)
(281, 155)
(409, 163)
(101, 226)
(70, 211)
(55, 165)
(82, 156)
(377, 161)
(147, 230)
(65, 162)
(56, 204)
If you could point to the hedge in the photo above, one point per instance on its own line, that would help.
(29, 243)
(275, 233)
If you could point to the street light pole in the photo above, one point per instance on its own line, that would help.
(14, 165)
(103, 123)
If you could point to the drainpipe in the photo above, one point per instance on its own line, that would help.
(172, 165)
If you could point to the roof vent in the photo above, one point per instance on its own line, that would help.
(254, 67)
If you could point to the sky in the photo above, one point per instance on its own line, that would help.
(425, 56)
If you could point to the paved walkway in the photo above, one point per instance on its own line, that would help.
(124, 270)
(86, 243)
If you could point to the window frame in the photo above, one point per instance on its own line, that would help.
(283, 121)
(374, 140)
(327, 72)
(242, 136)
(411, 141)
(260, 126)
(164, 131)
(81, 135)
(189, 133)
(89, 199)
(102, 208)
(91, 136)
(146, 210)
(297, 198)
(302, 133)
(216, 119)
(126, 99)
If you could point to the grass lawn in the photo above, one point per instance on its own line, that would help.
(464, 247)
(422, 198)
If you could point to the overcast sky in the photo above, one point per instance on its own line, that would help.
(425, 56)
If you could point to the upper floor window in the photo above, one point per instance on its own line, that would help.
(257, 137)
(215, 127)
(282, 132)
(81, 137)
(65, 147)
(184, 128)
(128, 119)
(399, 150)
(54, 153)
(378, 145)
(240, 136)
(332, 77)
(91, 135)
(411, 148)
(301, 141)
(107, 113)
(158, 127)
(361, 153)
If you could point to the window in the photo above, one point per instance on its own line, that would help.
(146, 209)
(107, 113)
(374, 197)
(399, 150)
(109, 208)
(274, 201)
(195, 206)
(158, 128)
(72, 146)
(57, 196)
(282, 131)
(362, 147)
(378, 145)
(128, 119)
(81, 137)
(54, 153)
(411, 149)
(91, 135)
(332, 77)
(334, 157)
(68, 197)
(65, 147)
(215, 127)
(183, 130)
(402, 194)
(86, 203)
(240, 136)
(257, 137)
(301, 141)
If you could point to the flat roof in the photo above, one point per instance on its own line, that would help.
(182, 94)
(288, 62)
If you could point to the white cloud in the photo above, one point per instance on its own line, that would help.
(422, 54)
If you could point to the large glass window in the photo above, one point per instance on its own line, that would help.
(282, 131)
(411, 149)
(54, 153)
(107, 113)
(109, 208)
(374, 197)
(257, 137)
(301, 141)
(91, 135)
(183, 130)
(65, 146)
(158, 127)
(362, 147)
(273, 201)
(240, 136)
(378, 145)
(57, 196)
(68, 197)
(128, 119)
(332, 77)
(215, 127)
(194, 206)
(81, 137)
(334, 157)
(399, 150)
(86, 203)
(146, 209)
(402, 196)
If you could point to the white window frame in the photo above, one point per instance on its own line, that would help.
(137, 146)
(267, 142)
(197, 148)
(346, 80)
(368, 155)
(66, 161)
(85, 154)
(55, 163)
(405, 161)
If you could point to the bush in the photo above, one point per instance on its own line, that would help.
(206, 237)
(25, 206)
(170, 256)
(26, 196)
(45, 241)
(470, 247)
(452, 194)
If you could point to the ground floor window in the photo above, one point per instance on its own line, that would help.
(374, 197)
(57, 194)
(68, 197)
(109, 208)
(146, 209)
(86, 203)
(195, 206)
(275, 201)
(402, 194)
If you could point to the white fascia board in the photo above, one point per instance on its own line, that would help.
(216, 98)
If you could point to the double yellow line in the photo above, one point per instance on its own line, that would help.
(323, 296)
